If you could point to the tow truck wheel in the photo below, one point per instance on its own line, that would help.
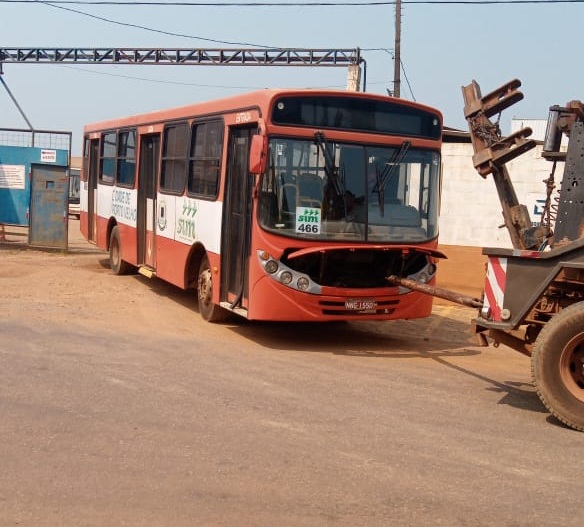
(209, 311)
(557, 366)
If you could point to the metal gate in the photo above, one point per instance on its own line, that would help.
(49, 207)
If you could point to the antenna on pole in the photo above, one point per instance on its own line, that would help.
(397, 51)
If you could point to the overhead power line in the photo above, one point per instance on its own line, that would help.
(153, 30)
(292, 4)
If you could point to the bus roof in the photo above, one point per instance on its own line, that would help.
(256, 99)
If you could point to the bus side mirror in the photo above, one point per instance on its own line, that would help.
(257, 154)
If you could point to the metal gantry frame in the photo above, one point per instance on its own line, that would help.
(185, 56)
(300, 57)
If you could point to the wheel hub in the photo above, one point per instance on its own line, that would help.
(572, 366)
(205, 286)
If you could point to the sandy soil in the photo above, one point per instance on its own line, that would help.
(463, 271)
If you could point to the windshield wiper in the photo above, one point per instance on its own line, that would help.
(329, 163)
(379, 186)
(391, 165)
(383, 177)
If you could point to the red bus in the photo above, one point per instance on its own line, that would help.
(284, 205)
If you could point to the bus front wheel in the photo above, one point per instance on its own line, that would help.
(117, 265)
(557, 365)
(209, 311)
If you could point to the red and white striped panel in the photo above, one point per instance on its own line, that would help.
(495, 286)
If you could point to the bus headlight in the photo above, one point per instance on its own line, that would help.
(286, 277)
(303, 283)
(271, 266)
(423, 278)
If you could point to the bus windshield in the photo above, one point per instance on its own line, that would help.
(325, 190)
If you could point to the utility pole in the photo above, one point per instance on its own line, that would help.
(397, 51)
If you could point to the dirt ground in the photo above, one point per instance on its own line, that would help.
(463, 271)
(120, 406)
(64, 283)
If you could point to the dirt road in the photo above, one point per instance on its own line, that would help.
(119, 406)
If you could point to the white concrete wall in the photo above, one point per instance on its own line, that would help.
(471, 212)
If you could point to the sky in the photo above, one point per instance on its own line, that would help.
(444, 46)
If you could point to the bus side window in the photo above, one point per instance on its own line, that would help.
(107, 162)
(126, 164)
(205, 158)
(174, 158)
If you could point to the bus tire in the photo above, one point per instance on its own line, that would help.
(557, 366)
(118, 266)
(209, 311)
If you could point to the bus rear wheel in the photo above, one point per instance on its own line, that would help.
(117, 265)
(557, 366)
(209, 311)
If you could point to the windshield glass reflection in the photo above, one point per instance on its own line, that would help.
(336, 191)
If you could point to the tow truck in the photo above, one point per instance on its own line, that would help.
(533, 297)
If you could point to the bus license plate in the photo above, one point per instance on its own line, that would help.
(360, 305)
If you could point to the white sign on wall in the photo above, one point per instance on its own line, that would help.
(49, 156)
(12, 176)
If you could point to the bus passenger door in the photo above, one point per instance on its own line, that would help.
(237, 209)
(146, 220)
(91, 183)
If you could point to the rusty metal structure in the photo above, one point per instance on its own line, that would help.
(533, 299)
(492, 151)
